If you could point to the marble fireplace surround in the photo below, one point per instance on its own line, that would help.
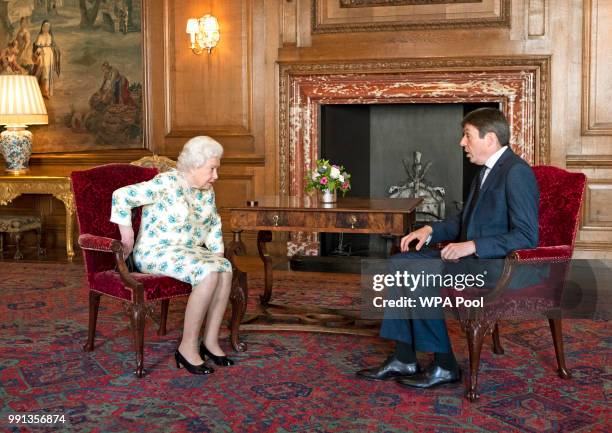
(520, 84)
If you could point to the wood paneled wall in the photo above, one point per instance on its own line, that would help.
(232, 94)
(591, 149)
(221, 94)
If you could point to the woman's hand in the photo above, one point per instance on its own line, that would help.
(128, 247)
(127, 239)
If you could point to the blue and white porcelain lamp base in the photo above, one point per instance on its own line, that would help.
(16, 145)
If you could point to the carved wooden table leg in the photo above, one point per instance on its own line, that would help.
(239, 291)
(67, 198)
(238, 298)
(394, 246)
(41, 251)
(235, 248)
(263, 237)
(17, 239)
(475, 330)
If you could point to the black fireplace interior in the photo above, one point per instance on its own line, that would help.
(372, 141)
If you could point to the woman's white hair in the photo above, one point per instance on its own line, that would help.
(197, 151)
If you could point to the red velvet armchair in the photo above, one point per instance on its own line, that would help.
(561, 195)
(107, 273)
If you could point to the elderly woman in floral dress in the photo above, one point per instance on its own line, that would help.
(180, 236)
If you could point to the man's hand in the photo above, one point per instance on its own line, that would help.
(421, 234)
(453, 252)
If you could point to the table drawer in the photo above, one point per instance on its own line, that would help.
(272, 218)
(327, 221)
(352, 220)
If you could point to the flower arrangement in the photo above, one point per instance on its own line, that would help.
(329, 177)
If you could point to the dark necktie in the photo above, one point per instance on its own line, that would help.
(472, 204)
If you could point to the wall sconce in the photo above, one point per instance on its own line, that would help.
(21, 104)
(204, 33)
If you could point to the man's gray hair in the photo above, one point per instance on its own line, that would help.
(197, 151)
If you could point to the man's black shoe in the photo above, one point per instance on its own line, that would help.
(391, 368)
(434, 375)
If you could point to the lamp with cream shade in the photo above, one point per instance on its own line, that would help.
(21, 104)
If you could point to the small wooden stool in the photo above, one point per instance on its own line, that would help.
(15, 226)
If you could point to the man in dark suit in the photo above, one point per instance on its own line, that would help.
(500, 215)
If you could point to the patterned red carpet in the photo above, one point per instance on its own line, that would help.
(286, 382)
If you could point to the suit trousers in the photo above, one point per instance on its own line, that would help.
(426, 335)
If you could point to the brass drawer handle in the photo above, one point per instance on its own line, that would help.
(275, 219)
(353, 220)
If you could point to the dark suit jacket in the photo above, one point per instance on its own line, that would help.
(506, 214)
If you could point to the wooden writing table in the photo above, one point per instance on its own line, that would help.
(39, 180)
(388, 216)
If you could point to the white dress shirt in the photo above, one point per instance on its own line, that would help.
(491, 163)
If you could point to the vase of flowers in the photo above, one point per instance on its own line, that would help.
(328, 179)
(327, 196)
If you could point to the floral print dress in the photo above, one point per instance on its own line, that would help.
(180, 232)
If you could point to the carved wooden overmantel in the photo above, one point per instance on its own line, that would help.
(342, 16)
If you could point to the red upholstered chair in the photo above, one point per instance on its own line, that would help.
(561, 195)
(107, 273)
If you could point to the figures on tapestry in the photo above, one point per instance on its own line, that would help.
(114, 88)
(115, 15)
(42, 58)
(8, 60)
(92, 86)
(115, 109)
(47, 59)
(24, 45)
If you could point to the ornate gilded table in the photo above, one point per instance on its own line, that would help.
(394, 217)
(39, 180)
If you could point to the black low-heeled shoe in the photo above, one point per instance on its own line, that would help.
(218, 360)
(193, 369)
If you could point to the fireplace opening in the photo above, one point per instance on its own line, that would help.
(378, 145)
